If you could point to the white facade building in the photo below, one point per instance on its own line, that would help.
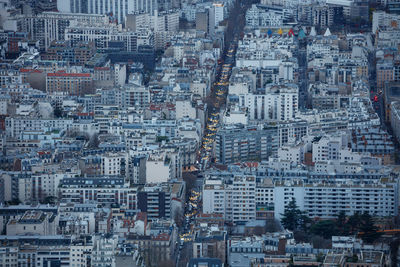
(328, 147)
(113, 164)
(16, 126)
(292, 153)
(218, 13)
(118, 8)
(279, 103)
(101, 35)
(322, 199)
(50, 26)
(185, 108)
(381, 19)
(159, 169)
(260, 16)
(235, 200)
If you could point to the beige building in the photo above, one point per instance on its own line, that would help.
(70, 83)
(33, 222)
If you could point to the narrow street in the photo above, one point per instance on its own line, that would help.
(215, 102)
(219, 90)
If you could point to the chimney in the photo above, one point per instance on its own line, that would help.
(282, 246)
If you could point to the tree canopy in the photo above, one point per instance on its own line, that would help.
(357, 224)
(293, 218)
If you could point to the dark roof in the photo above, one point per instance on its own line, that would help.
(211, 262)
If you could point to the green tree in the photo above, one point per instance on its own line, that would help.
(161, 138)
(305, 222)
(353, 223)
(326, 228)
(293, 218)
(14, 201)
(341, 224)
(58, 112)
(368, 228)
(50, 200)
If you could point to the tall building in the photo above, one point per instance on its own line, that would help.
(164, 24)
(155, 201)
(395, 119)
(202, 21)
(235, 199)
(240, 143)
(64, 51)
(384, 73)
(262, 16)
(322, 16)
(393, 6)
(218, 12)
(106, 37)
(70, 83)
(279, 103)
(326, 199)
(117, 9)
(205, 21)
(346, 4)
(136, 170)
(50, 26)
(104, 190)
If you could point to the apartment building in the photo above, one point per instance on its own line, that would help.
(50, 26)
(257, 52)
(137, 96)
(245, 143)
(395, 119)
(326, 148)
(64, 51)
(155, 201)
(136, 169)
(382, 19)
(16, 212)
(107, 36)
(384, 73)
(104, 190)
(210, 242)
(264, 199)
(104, 249)
(279, 103)
(234, 198)
(69, 83)
(164, 24)
(15, 126)
(9, 76)
(113, 164)
(262, 16)
(119, 8)
(33, 222)
(291, 131)
(326, 199)
(214, 196)
(219, 12)
(322, 16)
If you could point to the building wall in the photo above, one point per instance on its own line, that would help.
(235, 201)
(184, 108)
(70, 83)
(326, 201)
(157, 171)
(395, 119)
